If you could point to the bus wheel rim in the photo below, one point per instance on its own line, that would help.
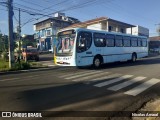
(134, 58)
(97, 62)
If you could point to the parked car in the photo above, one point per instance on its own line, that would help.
(30, 53)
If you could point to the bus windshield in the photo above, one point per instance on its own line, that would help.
(65, 42)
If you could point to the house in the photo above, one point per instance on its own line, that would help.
(46, 30)
(111, 25)
(139, 30)
(106, 24)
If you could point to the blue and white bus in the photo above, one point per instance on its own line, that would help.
(83, 47)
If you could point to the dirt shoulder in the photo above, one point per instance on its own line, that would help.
(153, 107)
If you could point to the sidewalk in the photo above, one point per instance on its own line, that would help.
(49, 63)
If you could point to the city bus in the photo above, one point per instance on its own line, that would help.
(84, 47)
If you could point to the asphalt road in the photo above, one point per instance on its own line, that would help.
(116, 87)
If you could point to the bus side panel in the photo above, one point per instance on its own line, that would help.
(84, 59)
(108, 54)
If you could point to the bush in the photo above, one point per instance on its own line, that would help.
(3, 65)
(25, 65)
(21, 66)
(4, 56)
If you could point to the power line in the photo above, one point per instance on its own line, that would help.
(62, 2)
(32, 3)
(89, 2)
(48, 15)
(15, 18)
(27, 7)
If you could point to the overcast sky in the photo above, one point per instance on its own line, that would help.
(137, 12)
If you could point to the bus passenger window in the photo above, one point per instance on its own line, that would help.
(99, 40)
(110, 40)
(126, 41)
(139, 42)
(118, 41)
(134, 42)
(144, 42)
(84, 41)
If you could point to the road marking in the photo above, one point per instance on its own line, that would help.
(113, 81)
(125, 84)
(9, 79)
(142, 87)
(87, 77)
(103, 78)
(106, 77)
(81, 75)
(75, 73)
(18, 79)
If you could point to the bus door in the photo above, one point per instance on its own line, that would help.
(84, 54)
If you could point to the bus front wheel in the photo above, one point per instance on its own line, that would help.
(97, 62)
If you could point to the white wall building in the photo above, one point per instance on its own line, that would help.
(139, 30)
(106, 24)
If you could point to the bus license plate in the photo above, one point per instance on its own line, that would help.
(61, 62)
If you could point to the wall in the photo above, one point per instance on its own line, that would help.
(97, 26)
(139, 30)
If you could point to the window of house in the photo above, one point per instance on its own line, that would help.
(110, 40)
(134, 42)
(110, 28)
(84, 41)
(122, 30)
(99, 40)
(118, 41)
(48, 32)
(38, 35)
(43, 33)
(126, 41)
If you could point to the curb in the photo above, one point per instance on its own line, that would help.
(29, 70)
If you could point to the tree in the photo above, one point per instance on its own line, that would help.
(3, 43)
(28, 43)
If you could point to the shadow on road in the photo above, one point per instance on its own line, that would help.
(81, 97)
(144, 61)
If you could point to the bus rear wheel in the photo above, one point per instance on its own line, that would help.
(97, 62)
(134, 57)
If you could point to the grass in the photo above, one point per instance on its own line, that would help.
(4, 65)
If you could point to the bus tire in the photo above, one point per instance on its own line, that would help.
(134, 57)
(97, 62)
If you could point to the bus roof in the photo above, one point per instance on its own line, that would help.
(101, 31)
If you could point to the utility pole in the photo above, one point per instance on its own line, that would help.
(10, 33)
(19, 34)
